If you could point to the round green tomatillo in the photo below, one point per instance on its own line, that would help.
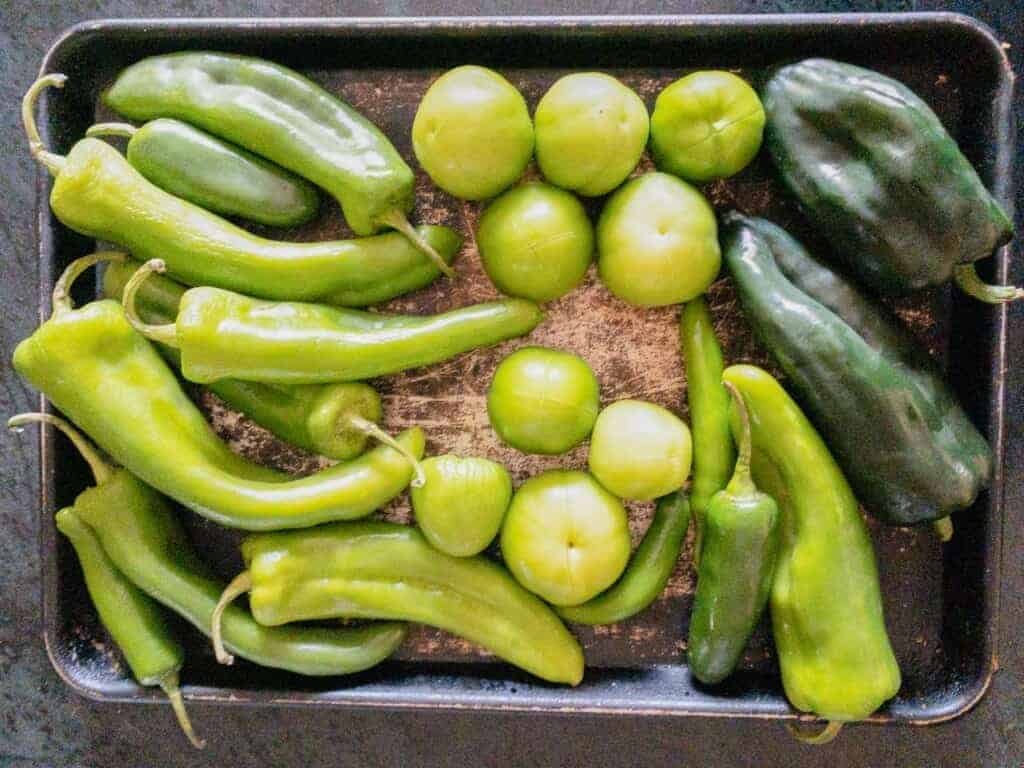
(472, 133)
(640, 450)
(536, 242)
(706, 126)
(657, 242)
(565, 537)
(591, 131)
(543, 400)
(462, 503)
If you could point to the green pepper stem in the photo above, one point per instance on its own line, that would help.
(741, 484)
(101, 470)
(169, 683)
(367, 427)
(943, 528)
(165, 334)
(54, 163)
(61, 296)
(241, 584)
(127, 130)
(824, 736)
(966, 276)
(397, 221)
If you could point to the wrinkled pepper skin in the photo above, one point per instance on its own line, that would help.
(648, 571)
(277, 113)
(386, 571)
(826, 603)
(145, 541)
(114, 385)
(215, 175)
(908, 449)
(713, 451)
(907, 207)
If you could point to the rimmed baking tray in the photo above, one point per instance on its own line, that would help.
(941, 602)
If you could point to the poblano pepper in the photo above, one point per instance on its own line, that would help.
(908, 449)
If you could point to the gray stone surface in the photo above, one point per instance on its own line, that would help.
(42, 723)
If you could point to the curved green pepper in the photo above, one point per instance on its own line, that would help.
(713, 451)
(146, 543)
(114, 385)
(333, 420)
(135, 622)
(741, 545)
(648, 570)
(221, 334)
(211, 173)
(909, 450)
(826, 603)
(880, 177)
(382, 570)
(98, 193)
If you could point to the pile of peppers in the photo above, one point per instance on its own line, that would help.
(278, 331)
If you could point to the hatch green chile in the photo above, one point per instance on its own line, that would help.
(906, 446)
(879, 176)
(826, 603)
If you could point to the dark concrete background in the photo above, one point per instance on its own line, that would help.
(42, 723)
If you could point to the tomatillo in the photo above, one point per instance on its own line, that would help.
(565, 537)
(591, 130)
(543, 400)
(472, 133)
(657, 242)
(640, 450)
(462, 503)
(706, 126)
(536, 242)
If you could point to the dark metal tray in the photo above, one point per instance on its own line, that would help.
(940, 601)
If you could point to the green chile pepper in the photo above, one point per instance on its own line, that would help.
(910, 452)
(826, 603)
(222, 334)
(115, 386)
(211, 173)
(98, 193)
(383, 570)
(135, 621)
(333, 420)
(741, 545)
(713, 451)
(648, 570)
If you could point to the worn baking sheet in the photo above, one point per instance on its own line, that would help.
(939, 605)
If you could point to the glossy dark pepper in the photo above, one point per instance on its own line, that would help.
(741, 544)
(277, 113)
(98, 193)
(221, 334)
(879, 176)
(133, 619)
(211, 173)
(79, 357)
(908, 449)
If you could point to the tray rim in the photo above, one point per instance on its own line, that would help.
(559, 702)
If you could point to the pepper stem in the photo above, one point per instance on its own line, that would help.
(127, 130)
(741, 484)
(397, 221)
(241, 584)
(101, 469)
(54, 163)
(966, 276)
(943, 528)
(61, 297)
(824, 736)
(169, 683)
(166, 333)
(367, 427)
